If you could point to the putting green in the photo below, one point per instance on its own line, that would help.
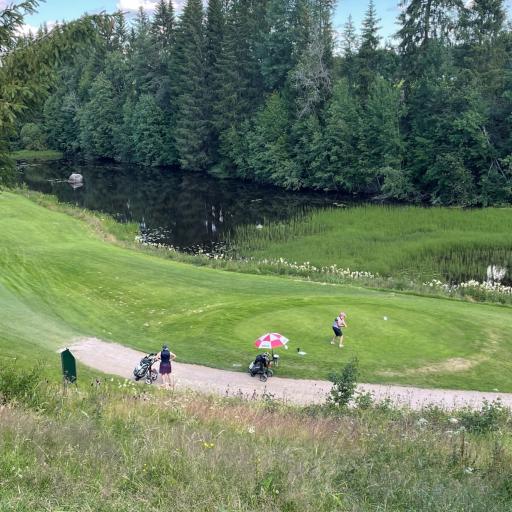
(59, 280)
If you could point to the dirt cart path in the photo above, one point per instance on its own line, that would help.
(120, 360)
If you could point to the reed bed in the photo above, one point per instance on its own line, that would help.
(413, 242)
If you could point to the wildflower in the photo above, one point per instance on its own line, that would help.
(422, 422)
(251, 430)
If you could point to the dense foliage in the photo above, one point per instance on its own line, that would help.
(258, 89)
(27, 72)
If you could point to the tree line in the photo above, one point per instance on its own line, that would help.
(264, 90)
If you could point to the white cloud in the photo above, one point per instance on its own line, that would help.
(135, 5)
(149, 5)
(25, 29)
(178, 4)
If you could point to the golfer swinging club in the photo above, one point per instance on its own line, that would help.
(339, 322)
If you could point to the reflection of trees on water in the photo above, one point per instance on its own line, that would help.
(182, 209)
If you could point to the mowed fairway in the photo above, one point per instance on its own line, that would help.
(59, 281)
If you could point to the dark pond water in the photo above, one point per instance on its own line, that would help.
(186, 210)
(195, 212)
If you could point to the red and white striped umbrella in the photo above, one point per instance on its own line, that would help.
(271, 340)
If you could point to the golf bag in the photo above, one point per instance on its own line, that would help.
(144, 369)
(261, 366)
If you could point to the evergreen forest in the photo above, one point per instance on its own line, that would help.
(269, 91)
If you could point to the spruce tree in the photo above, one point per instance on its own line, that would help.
(191, 132)
(149, 135)
(61, 121)
(98, 119)
(342, 135)
(381, 145)
(163, 35)
(309, 153)
(214, 76)
(350, 48)
(162, 26)
(269, 145)
(278, 52)
(368, 56)
(241, 82)
(120, 32)
(425, 25)
(323, 13)
(143, 57)
(486, 52)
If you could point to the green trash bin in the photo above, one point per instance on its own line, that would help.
(68, 366)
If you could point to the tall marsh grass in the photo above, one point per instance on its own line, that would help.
(418, 243)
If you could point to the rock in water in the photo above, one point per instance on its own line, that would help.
(76, 178)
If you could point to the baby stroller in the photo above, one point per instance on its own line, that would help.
(261, 366)
(144, 369)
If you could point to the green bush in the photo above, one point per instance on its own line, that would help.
(32, 137)
(18, 385)
(364, 400)
(489, 418)
(344, 385)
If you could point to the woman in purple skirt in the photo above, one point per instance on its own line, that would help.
(166, 356)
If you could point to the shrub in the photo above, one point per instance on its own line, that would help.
(488, 419)
(32, 137)
(364, 400)
(344, 385)
(18, 385)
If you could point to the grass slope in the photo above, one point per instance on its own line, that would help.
(417, 242)
(59, 280)
(32, 155)
(115, 447)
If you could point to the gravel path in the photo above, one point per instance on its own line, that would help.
(120, 360)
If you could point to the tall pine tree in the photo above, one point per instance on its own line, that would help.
(368, 56)
(214, 77)
(191, 132)
(98, 120)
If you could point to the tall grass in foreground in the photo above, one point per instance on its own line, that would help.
(114, 446)
(414, 242)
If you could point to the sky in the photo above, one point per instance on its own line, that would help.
(57, 10)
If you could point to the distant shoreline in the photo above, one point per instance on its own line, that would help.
(32, 156)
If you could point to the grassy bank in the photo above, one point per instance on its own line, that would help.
(60, 280)
(420, 243)
(126, 234)
(32, 155)
(116, 446)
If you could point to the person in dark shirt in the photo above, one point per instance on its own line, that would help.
(166, 356)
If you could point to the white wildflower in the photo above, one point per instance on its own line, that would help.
(422, 422)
